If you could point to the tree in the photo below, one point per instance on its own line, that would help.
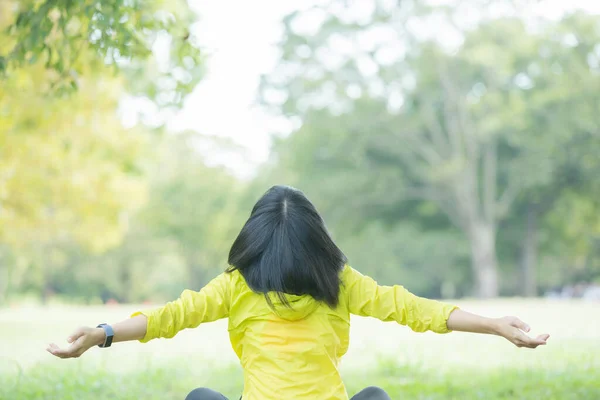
(69, 171)
(120, 35)
(461, 127)
(70, 174)
(178, 238)
(562, 104)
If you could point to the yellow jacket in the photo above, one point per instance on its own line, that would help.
(293, 353)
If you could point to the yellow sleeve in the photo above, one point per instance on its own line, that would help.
(190, 310)
(394, 303)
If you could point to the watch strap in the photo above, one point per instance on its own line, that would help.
(108, 330)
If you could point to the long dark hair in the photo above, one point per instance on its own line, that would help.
(285, 248)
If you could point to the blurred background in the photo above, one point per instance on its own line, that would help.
(452, 146)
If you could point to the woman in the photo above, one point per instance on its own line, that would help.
(288, 294)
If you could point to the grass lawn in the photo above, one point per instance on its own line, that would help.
(406, 364)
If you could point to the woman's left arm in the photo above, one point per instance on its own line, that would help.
(85, 338)
(510, 328)
(190, 310)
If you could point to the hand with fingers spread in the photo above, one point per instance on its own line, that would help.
(80, 341)
(514, 330)
(510, 328)
(104, 335)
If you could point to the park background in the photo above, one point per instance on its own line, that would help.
(450, 145)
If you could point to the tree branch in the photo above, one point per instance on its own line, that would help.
(462, 134)
(490, 167)
(460, 125)
(424, 149)
(451, 124)
(467, 128)
(505, 201)
(449, 207)
(417, 165)
(436, 132)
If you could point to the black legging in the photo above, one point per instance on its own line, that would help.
(370, 393)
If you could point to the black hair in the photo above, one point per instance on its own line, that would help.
(285, 248)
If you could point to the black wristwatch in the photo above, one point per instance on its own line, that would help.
(108, 330)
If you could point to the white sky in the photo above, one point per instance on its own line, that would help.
(240, 38)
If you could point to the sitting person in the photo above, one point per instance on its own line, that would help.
(288, 294)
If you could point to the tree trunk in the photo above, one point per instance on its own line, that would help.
(529, 254)
(483, 259)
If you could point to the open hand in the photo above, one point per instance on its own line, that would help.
(81, 340)
(513, 329)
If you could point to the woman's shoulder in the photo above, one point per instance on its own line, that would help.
(349, 274)
(348, 278)
(236, 281)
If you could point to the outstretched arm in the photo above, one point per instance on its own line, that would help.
(395, 303)
(190, 310)
(84, 338)
(510, 328)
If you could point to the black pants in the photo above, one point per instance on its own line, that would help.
(370, 393)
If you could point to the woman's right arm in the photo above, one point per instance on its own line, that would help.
(510, 328)
(84, 338)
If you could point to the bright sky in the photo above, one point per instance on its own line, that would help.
(241, 37)
(241, 40)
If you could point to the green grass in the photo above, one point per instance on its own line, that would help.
(402, 382)
(407, 365)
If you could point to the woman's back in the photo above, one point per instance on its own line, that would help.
(287, 353)
(293, 350)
